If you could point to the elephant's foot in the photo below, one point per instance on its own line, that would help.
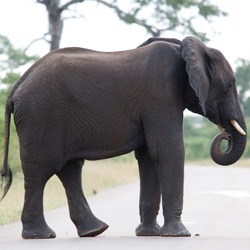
(38, 232)
(174, 228)
(91, 228)
(148, 229)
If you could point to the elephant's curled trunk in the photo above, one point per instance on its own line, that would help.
(236, 143)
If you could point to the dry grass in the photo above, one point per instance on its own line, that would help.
(11, 205)
(97, 176)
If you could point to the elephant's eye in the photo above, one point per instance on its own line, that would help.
(228, 86)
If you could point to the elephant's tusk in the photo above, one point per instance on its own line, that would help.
(221, 128)
(238, 127)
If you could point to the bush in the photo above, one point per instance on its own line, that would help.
(198, 134)
(247, 150)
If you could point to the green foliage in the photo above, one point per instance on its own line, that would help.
(169, 15)
(198, 134)
(242, 74)
(10, 77)
(158, 16)
(3, 96)
(247, 150)
(208, 10)
(11, 59)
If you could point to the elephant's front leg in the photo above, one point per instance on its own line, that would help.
(171, 174)
(150, 194)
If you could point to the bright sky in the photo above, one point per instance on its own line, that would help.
(100, 29)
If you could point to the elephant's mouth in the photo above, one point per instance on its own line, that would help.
(235, 124)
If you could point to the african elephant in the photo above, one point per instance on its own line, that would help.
(76, 104)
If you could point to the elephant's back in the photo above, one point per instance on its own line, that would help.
(70, 78)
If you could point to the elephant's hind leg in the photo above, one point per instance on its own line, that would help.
(149, 194)
(34, 225)
(80, 213)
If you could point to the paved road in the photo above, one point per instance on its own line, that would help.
(216, 211)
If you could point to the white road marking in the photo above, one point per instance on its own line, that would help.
(231, 193)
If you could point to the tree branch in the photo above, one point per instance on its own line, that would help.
(35, 40)
(122, 15)
(48, 3)
(66, 5)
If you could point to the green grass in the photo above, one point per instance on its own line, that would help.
(97, 177)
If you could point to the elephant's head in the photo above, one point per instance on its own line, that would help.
(213, 81)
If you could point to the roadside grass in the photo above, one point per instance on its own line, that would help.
(243, 162)
(97, 176)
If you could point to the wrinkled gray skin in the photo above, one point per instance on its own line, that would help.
(76, 104)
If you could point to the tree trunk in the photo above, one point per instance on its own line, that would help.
(55, 30)
(55, 23)
(55, 10)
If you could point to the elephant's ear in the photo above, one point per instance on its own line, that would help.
(198, 67)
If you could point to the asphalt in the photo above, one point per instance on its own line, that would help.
(216, 212)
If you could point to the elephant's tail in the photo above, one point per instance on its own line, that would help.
(6, 172)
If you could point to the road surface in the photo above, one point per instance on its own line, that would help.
(216, 211)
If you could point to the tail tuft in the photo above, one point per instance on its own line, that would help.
(6, 180)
